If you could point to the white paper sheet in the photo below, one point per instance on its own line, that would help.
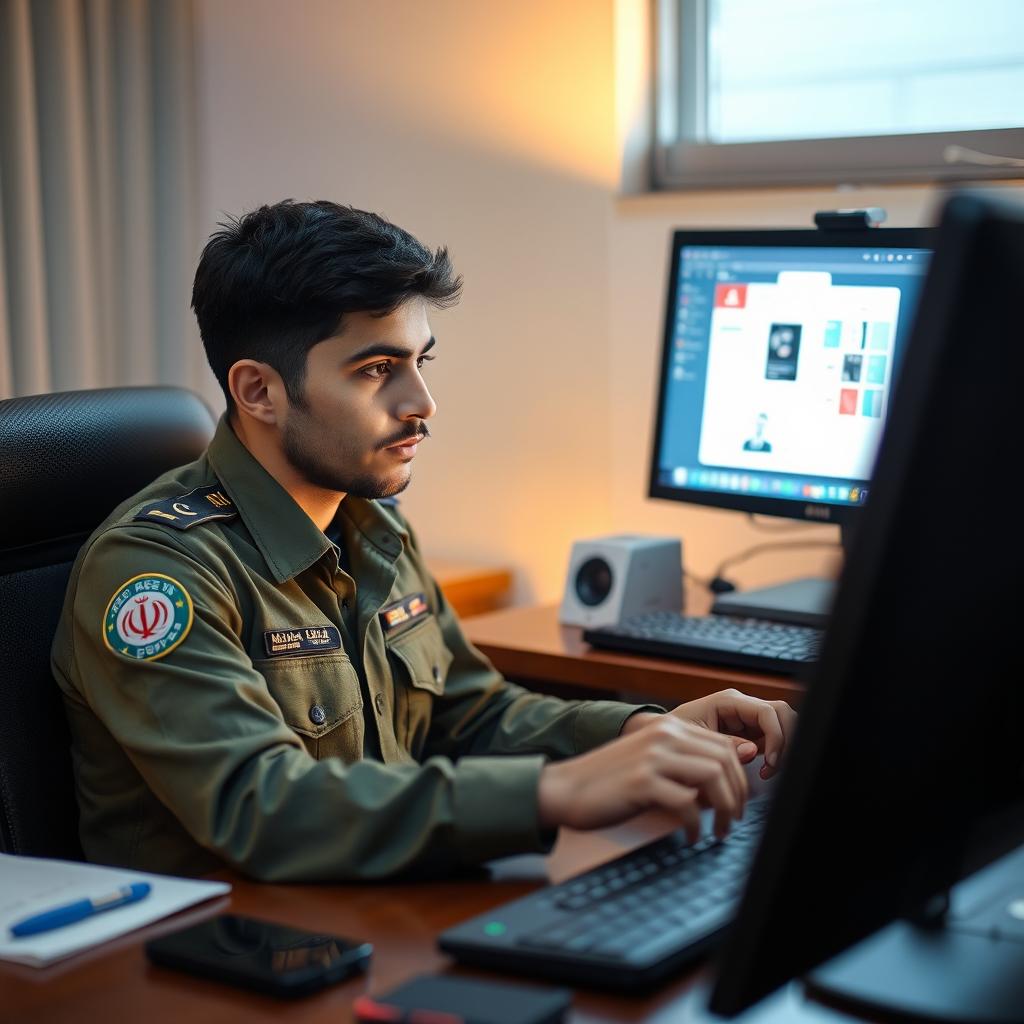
(30, 885)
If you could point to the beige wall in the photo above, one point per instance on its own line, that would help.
(486, 127)
(497, 129)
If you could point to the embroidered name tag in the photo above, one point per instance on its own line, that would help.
(403, 612)
(198, 506)
(301, 640)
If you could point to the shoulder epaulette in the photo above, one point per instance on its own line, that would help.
(200, 505)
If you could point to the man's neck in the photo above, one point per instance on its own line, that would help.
(319, 504)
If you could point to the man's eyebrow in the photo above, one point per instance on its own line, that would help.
(376, 348)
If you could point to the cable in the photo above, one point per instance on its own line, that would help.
(701, 581)
(718, 584)
(773, 546)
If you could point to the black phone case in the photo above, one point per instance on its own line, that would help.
(178, 951)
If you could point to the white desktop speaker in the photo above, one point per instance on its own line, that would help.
(611, 578)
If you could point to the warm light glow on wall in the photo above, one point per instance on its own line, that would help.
(556, 108)
(507, 81)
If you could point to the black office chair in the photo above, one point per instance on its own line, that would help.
(66, 460)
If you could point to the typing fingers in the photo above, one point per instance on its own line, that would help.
(774, 721)
(778, 723)
(721, 749)
(680, 800)
(711, 780)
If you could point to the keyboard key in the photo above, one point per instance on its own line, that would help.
(573, 902)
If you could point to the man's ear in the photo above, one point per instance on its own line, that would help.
(258, 391)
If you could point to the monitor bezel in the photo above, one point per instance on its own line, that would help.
(874, 238)
(970, 842)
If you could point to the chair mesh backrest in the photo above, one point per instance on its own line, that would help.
(66, 460)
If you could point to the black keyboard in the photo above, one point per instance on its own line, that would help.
(720, 639)
(627, 923)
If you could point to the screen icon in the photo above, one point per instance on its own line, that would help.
(730, 296)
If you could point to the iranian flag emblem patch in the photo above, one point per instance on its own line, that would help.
(148, 616)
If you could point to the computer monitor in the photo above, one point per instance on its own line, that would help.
(907, 769)
(781, 350)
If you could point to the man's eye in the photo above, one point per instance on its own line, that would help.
(377, 371)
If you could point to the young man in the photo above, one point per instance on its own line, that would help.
(257, 665)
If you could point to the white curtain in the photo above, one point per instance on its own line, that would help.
(98, 225)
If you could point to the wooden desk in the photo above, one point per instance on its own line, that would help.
(472, 589)
(116, 982)
(528, 644)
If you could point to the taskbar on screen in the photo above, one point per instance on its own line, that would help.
(765, 485)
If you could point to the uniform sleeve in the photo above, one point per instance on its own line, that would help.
(200, 726)
(481, 713)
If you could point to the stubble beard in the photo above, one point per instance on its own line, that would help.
(307, 452)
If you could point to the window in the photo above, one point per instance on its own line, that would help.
(801, 91)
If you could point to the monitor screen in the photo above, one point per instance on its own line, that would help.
(908, 749)
(781, 350)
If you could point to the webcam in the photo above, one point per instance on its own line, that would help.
(849, 220)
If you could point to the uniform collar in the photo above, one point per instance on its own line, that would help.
(286, 537)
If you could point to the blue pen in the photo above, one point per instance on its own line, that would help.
(79, 910)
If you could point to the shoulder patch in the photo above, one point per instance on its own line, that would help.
(200, 505)
(148, 616)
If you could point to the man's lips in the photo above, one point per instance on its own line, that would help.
(409, 442)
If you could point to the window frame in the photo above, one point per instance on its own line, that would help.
(681, 161)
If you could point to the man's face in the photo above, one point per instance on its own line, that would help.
(366, 404)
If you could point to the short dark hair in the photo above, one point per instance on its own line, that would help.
(273, 283)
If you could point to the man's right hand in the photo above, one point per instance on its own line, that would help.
(668, 765)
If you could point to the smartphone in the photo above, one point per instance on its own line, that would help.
(261, 955)
(450, 999)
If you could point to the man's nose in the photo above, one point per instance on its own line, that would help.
(417, 402)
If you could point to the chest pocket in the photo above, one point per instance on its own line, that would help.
(320, 699)
(419, 662)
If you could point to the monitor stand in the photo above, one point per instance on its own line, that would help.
(967, 967)
(803, 602)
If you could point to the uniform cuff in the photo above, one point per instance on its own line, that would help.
(599, 721)
(496, 807)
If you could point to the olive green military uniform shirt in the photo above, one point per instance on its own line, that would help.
(238, 692)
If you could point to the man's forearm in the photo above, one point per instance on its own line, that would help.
(511, 720)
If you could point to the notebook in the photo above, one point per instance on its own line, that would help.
(30, 885)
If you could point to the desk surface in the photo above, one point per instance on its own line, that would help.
(472, 589)
(402, 920)
(529, 644)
